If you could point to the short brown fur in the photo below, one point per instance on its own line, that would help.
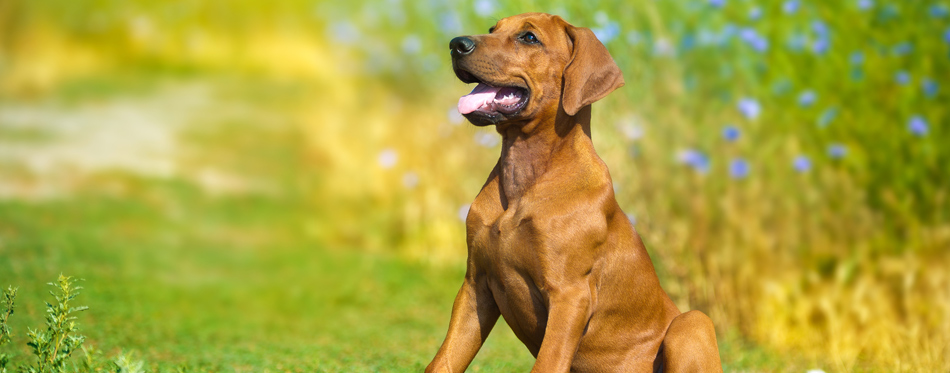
(548, 246)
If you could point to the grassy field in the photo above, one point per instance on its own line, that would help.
(186, 273)
(277, 187)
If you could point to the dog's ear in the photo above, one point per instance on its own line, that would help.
(591, 74)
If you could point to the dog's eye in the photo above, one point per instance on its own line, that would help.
(529, 38)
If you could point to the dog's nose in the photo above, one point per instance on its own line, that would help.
(461, 45)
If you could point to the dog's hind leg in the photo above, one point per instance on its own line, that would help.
(690, 345)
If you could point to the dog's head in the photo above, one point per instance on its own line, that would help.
(532, 65)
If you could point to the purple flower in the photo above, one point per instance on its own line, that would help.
(730, 133)
(946, 36)
(807, 98)
(738, 168)
(865, 4)
(930, 87)
(695, 159)
(802, 164)
(750, 108)
(717, 3)
(837, 151)
(791, 6)
(902, 77)
(918, 126)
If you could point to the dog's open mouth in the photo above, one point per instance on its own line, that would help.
(490, 100)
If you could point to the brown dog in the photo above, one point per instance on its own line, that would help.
(548, 246)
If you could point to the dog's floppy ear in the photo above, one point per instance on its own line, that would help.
(591, 74)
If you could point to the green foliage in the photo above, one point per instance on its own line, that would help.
(9, 296)
(54, 347)
(125, 363)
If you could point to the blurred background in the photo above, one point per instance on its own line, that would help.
(281, 186)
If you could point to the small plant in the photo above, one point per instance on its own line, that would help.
(8, 297)
(125, 363)
(54, 346)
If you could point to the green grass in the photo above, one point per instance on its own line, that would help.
(227, 283)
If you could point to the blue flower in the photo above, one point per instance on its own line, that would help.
(802, 164)
(837, 151)
(821, 45)
(738, 168)
(634, 37)
(485, 8)
(450, 23)
(717, 3)
(791, 6)
(865, 4)
(819, 28)
(755, 13)
(730, 30)
(930, 87)
(903, 49)
(902, 77)
(754, 40)
(695, 159)
(345, 32)
(827, 116)
(856, 58)
(411, 44)
(807, 98)
(918, 126)
(608, 32)
(797, 42)
(938, 11)
(749, 107)
(730, 133)
(946, 36)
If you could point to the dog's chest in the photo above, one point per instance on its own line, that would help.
(507, 252)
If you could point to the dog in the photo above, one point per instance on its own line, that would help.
(548, 246)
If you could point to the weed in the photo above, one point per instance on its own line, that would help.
(9, 296)
(61, 338)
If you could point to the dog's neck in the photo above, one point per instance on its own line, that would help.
(527, 150)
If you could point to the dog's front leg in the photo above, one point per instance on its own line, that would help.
(473, 317)
(568, 314)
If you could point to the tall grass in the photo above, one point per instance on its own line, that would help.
(782, 160)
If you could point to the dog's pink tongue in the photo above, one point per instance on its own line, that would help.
(481, 95)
